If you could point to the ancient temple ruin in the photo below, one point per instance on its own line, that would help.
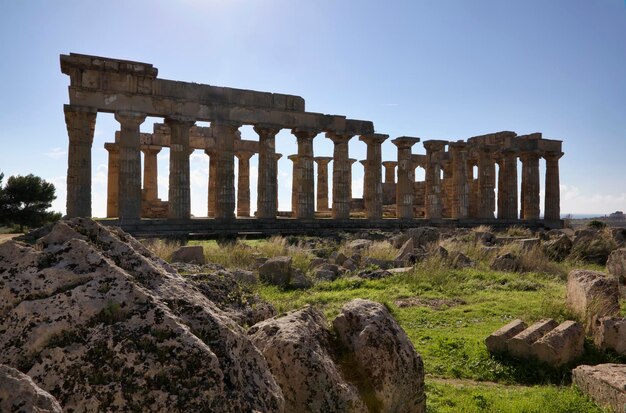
(460, 176)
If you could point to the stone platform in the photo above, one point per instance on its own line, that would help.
(214, 228)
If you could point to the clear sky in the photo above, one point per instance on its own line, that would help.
(436, 69)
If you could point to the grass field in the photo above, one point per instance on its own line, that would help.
(447, 313)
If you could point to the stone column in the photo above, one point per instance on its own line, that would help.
(306, 185)
(552, 211)
(322, 182)
(225, 134)
(433, 201)
(277, 158)
(179, 194)
(404, 188)
(267, 187)
(80, 123)
(294, 184)
(113, 179)
(390, 171)
(341, 175)
(507, 185)
(212, 194)
(530, 184)
(130, 165)
(372, 181)
(150, 172)
(486, 182)
(460, 192)
(364, 163)
(243, 183)
(351, 162)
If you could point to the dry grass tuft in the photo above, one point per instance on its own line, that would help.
(163, 248)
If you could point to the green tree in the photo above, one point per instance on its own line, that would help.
(24, 201)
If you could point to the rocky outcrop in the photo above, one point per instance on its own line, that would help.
(592, 295)
(367, 364)
(616, 266)
(93, 317)
(18, 393)
(604, 383)
(384, 355)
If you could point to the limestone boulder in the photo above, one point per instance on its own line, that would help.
(558, 249)
(616, 266)
(505, 262)
(460, 260)
(593, 246)
(406, 252)
(619, 236)
(592, 295)
(98, 321)
(298, 348)
(604, 383)
(384, 356)
(276, 271)
(18, 393)
(192, 254)
(422, 237)
(359, 244)
(610, 334)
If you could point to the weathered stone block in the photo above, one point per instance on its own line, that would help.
(520, 345)
(276, 271)
(592, 295)
(561, 345)
(505, 262)
(604, 383)
(616, 266)
(610, 333)
(496, 342)
(559, 248)
(192, 254)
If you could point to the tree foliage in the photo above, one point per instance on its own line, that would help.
(24, 201)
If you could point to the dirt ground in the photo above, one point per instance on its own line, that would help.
(5, 237)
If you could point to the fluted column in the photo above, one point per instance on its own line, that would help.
(150, 172)
(364, 163)
(390, 171)
(552, 211)
(507, 185)
(225, 134)
(530, 184)
(212, 189)
(322, 182)
(341, 175)
(433, 201)
(267, 187)
(179, 193)
(130, 165)
(373, 188)
(351, 162)
(460, 193)
(243, 183)
(295, 173)
(404, 188)
(113, 172)
(277, 157)
(486, 182)
(306, 184)
(80, 123)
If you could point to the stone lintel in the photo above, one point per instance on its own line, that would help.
(106, 64)
(358, 127)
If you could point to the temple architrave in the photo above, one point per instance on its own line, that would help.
(469, 182)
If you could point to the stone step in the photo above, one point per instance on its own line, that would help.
(520, 345)
(604, 383)
(561, 345)
(496, 342)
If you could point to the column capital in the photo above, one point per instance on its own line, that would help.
(130, 119)
(305, 133)
(339, 138)
(532, 155)
(390, 164)
(293, 157)
(266, 129)
(210, 152)
(552, 156)
(352, 160)
(244, 155)
(112, 147)
(277, 156)
(150, 149)
(373, 138)
(434, 145)
(458, 145)
(323, 160)
(405, 142)
(363, 162)
(179, 120)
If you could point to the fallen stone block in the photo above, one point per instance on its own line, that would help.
(592, 295)
(520, 345)
(604, 383)
(191, 254)
(563, 344)
(610, 334)
(616, 266)
(496, 342)
(276, 271)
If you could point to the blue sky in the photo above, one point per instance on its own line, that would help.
(445, 69)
